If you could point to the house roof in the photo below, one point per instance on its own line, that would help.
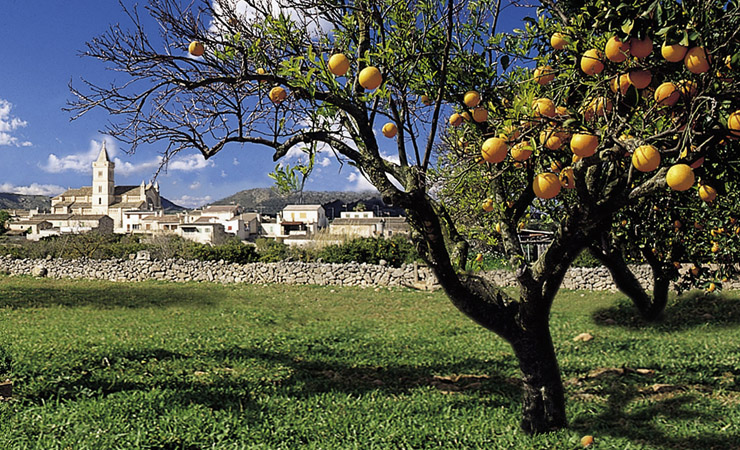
(128, 190)
(220, 208)
(357, 221)
(78, 192)
(162, 219)
(302, 207)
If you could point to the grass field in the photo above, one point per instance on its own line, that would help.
(99, 365)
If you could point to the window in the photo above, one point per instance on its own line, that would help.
(100, 201)
(229, 228)
(136, 226)
(100, 173)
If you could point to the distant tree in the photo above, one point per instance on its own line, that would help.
(317, 75)
(4, 218)
(360, 207)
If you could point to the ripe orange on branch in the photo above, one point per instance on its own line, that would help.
(390, 130)
(584, 144)
(487, 205)
(733, 123)
(196, 48)
(456, 120)
(616, 50)
(277, 94)
(544, 75)
(370, 78)
(567, 179)
(338, 64)
(673, 53)
(521, 151)
(494, 150)
(543, 107)
(591, 62)
(641, 48)
(480, 114)
(546, 185)
(471, 99)
(640, 78)
(557, 40)
(696, 60)
(680, 177)
(707, 193)
(666, 94)
(646, 158)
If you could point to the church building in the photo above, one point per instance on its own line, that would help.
(124, 204)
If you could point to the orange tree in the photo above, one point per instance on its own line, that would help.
(475, 131)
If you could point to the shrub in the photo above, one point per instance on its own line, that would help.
(395, 251)
(270, 250)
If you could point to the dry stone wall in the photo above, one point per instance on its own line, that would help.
(351, 274)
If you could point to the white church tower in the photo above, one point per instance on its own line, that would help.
(103, 185)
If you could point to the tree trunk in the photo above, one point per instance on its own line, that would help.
(543, 396)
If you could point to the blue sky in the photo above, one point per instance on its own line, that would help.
(43, 152)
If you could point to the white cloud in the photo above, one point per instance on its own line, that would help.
(235, 162)
(34, 189)
(194, 185)
(9, 124)
(189, 163)
(306, 19)
(223, 174)
(80, 162)
(324, 162)
(359, 183)
(188, 201)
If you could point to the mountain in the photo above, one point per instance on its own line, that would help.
(43, 203)
(19, 201)
(268, 201)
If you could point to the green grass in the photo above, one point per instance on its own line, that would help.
(100, 365)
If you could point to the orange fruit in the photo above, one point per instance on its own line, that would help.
(680, 177)
(546, 185)
(616, 50)
(584, 145)
(620, 83)
(646, 158)
(641, 48)
(556, 166)
(544, 75)
(551, 140)
(494, 150)
(557, 40)
(561, 111)
(696, 60)
(277, 94)
(487, 205)
(687, 88)
(370, 78)
(479, 257)
(471, 99)
(591, 62)
(673, 53)
(521, 151)
(543, 107)
(567, 179)
(587, 440)
(707, 193)
(196, 48)
(426, 100)
(733, 123)
(666, 94)
(640, 78)
(480, 115)
(466, 116)
(711, 287)
(338, 64)
(456, 120)
(599, 106)
(390, 130)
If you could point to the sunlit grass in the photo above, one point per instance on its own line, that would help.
(155, 365)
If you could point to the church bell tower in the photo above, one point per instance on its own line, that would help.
(103, 183)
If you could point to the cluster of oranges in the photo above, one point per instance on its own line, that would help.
(583, 144)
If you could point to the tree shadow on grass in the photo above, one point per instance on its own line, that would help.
(99, 295)
(220, 386)
(686, 311)
(635, 413)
